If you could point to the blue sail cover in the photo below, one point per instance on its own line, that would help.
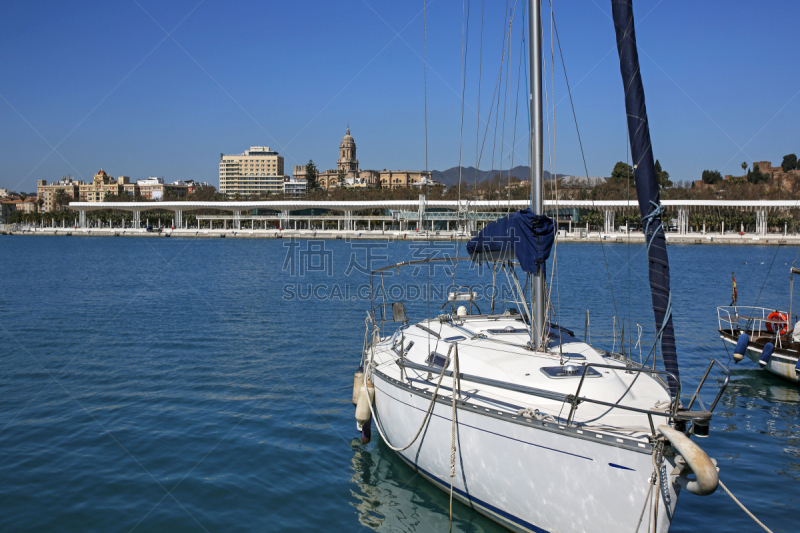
(647, 187)
(522, 234)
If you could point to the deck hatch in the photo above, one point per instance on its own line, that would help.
(569, 371)
(437, 360)
(510, 330)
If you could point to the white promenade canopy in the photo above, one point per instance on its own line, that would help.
(419, 212)
(296, 205)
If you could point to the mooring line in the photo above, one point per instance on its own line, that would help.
(745, 509)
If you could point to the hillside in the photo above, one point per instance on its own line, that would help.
(450, 176)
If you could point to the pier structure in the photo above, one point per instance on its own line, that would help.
(425, 214)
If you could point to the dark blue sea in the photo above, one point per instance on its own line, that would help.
(204, 384)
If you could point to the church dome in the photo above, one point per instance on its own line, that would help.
(348, 139)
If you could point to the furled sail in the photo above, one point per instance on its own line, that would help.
(521, 235)
(647, 188)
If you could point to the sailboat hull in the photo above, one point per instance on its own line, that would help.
(526, 477)
(782, 363)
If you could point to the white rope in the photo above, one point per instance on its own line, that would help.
(456, 385)
(453, 432)
(535, 413)
(655, 479)
(641, 515)
(751, 515)
(427, 414)
(656, 452)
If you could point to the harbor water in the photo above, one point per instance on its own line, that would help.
(205, 384)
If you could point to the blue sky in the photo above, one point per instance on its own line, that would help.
(104, 84)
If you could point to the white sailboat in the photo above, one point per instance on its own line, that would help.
(764, 334)
(516, 416)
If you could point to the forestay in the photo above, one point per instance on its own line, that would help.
(647, 187)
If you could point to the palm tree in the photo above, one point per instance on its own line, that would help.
(744, 168)
(61, 199)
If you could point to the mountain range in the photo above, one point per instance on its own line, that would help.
(450, 176)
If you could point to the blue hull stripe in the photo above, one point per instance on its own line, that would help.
(492, 432)
(507, 517)
(621, 467)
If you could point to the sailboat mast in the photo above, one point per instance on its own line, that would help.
(537, 153)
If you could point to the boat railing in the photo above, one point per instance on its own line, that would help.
(751, 320)
(381, 310)
(696, 395)
(618, 338)
(672, 414)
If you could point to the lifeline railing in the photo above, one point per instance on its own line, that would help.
(673, 414)
(379, 272)
(696, 395)
(378, 310)
(751, 320)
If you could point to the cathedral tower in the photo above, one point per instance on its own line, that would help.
(347, 155)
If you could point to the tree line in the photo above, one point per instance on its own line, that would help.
(753, 185)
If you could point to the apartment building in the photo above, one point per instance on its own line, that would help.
(47, 193)
(192, 185)
(28, 205)
(154, 188)
(6, 208)
(258, 170)
(294, 188)
(102, 185)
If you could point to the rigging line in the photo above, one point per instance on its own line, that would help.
(550, 142)
(516, 112)
(768, 271)
(508, 112)
(478, 124)
(496, 87)
(425, 72)
(633, 381)
(464, 47)
(427, 186)
(627, 226)
(555, 157)
(554, 176)
(505, 111)
(528, 109)
(506, 45)
(583, 155)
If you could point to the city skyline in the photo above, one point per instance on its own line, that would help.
(167, 102)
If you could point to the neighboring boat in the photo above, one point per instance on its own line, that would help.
(513, 414)
(765, 335)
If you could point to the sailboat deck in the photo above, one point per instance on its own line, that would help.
(495, 348)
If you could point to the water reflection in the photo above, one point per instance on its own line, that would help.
(392, 497)
(758, 384)
(762, 411)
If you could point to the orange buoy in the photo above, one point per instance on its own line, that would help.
(777, 321)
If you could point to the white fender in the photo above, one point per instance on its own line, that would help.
(697, 460)
(365, 398)
(358, 382)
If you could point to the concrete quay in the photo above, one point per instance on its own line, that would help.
(564, 237)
